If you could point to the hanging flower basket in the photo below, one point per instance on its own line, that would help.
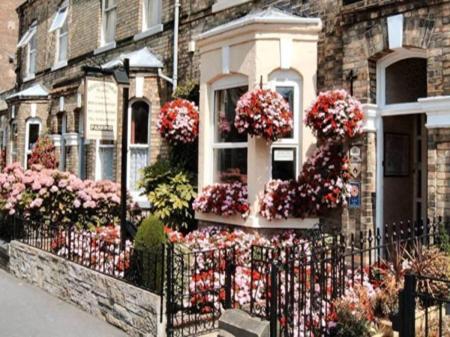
(335, 115)
(263, 113)
(179, 122)
(223, 200)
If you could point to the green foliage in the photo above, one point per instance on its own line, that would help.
(150, 234)
(171, 201)
(155, 175)
(444, 238)
(188, 90)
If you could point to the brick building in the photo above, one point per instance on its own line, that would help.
(393, 55)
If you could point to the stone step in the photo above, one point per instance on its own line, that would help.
(237, 323)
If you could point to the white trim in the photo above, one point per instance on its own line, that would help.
(61, 103)
(32, 120)
(370, 117)
(29, 78)
(105, 48)
(56, 140)
(395, 31)
(149, 32)
(60, 65)
(139, 82)
(221, 5)
(106, 11)
(286, 52)
(379, 182)
(438, 111)
(33, 110)
(225, 60)
(71, 139)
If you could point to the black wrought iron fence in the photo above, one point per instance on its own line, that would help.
(425, 306)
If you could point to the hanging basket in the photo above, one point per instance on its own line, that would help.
(263, 113)
(335, 116)
(179, 122)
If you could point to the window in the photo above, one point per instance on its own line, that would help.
(286, 151)
(230, 147)
(139, 144)
(105, 160)
(109, 17)
(28, 41)
(60, 26)
(33, 129)
(152, 14)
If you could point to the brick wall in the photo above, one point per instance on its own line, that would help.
(9, 32)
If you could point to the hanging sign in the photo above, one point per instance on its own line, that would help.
(101, 109)
(355, 195)
(355, 170)
(355, 154)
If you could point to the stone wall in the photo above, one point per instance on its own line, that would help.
(131, 309)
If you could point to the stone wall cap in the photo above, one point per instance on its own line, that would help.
(35, 91)
(267, 16)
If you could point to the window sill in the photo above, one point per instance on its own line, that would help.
(29, 77)
(221, 5)
(105, 48)
(59, 65)
(149, 32)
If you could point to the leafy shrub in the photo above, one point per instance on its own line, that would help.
(170, 193)
(44, 153)
(148, 254)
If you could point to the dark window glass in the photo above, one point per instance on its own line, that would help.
(288, 95)
(139, 123)
(284, 163)
(33, 135)
(231, 165)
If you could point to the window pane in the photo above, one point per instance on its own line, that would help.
(139, 123)
(406, 81)
(138, 161)
(152, 12)
(109, 3)
(106, 155)
(33, 135)
(231, 165)
(62, 52)
(225, 105)
(32, 63)
(288, 95)
(110, 26)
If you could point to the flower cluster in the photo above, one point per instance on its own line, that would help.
(44, 154)
(335, 115)
(263, 113)
(54, 197)
(179, 122)
(322, 185)
(98, 249)
(223, 199)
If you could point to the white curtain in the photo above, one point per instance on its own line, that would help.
(138, 160)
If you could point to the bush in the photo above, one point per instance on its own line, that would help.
(44, 153)
(170, 193)
(148, 257)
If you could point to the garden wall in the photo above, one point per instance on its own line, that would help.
(131, 309)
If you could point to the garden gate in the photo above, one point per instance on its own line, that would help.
(199, 286)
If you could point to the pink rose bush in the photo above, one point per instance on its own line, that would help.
(179, 122)
(223, 199)
(335, 115)
(49, 196)
(263, 113)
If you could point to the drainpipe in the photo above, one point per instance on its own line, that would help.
(175, 43)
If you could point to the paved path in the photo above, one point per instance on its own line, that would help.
(26, 311)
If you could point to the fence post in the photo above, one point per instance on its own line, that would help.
(169, 290)
(229, 271)
(407, 309)
(273, 300)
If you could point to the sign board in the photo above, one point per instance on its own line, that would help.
(355, 195)
(355, 154)
(283, 155)
(355, 170)
(101, 109)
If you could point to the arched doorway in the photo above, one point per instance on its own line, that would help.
(139, 142)
(401, 137)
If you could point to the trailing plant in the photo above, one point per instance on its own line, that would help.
(263, 113)
(44, 154)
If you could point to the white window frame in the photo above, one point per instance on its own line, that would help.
(228, 82)
(145, 19)
(98, 166)
(29, 122)
(106, 11)
(293, 80)
(137, 194)
(31, 74)
(61, 33)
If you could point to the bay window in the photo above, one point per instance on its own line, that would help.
(230, 147)
(109, 18)
(286, 151)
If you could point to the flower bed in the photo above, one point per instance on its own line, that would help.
(223, 199)
(179, 122)
(263, 113)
